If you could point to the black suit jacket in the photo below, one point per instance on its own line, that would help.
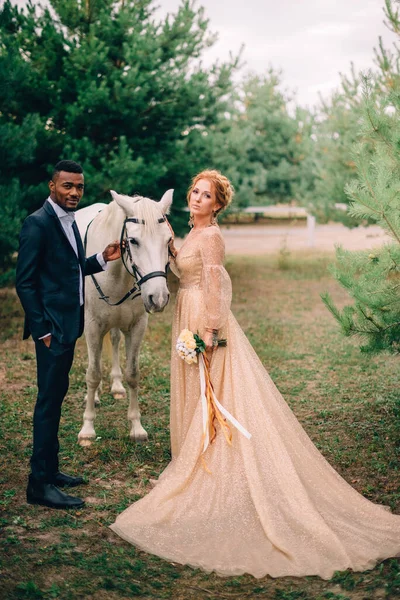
(48, 277)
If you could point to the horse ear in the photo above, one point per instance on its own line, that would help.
(125, 202)
(114, 195)
(166, 201)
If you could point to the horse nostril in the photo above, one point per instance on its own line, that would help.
(156, 303)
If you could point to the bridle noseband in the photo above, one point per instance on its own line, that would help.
(124, 245)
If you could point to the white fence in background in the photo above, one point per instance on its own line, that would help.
(286, 212)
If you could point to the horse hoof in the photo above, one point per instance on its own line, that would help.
(139, 436)
(85, 443)
(119, 395)
(85, 438)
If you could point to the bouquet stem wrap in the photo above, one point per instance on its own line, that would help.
(213, 410)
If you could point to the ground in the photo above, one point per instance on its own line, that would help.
(347, 401)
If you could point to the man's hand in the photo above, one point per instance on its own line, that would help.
(47, 340)
(112, 251)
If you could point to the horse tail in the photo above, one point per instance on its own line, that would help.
(107, 346)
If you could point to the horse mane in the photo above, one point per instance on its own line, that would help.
(143, 208)
(148, 211)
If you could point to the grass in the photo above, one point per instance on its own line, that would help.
(348, 403)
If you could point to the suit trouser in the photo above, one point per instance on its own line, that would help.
(53, 367)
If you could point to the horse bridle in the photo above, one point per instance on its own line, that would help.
(124, 245)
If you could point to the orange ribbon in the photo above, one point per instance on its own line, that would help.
(214, 414)
(213, 411)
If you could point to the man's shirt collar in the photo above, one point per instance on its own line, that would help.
(60, 212)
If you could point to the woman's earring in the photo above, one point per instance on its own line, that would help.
(214, 218)
(191, 220)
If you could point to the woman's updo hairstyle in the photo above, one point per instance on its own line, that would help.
(221, 185)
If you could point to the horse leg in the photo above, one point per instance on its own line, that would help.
(133, 340)
(94, 340)
(97, 395)
(117, 389)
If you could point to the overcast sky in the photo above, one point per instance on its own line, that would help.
(310, 40)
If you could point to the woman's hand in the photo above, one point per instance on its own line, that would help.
(171, 244)
(208, 340)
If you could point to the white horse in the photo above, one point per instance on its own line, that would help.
(141, 223)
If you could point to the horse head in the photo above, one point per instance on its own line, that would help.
(146, 235)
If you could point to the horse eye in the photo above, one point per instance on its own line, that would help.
(134, 242)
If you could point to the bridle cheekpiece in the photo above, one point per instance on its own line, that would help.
(125, 248)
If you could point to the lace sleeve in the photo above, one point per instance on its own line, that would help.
(216, 281)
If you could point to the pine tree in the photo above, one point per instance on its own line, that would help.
(19, 133)
(372, 278)
(335, 129)
(262, 144)
(106, 83)
(338, 127)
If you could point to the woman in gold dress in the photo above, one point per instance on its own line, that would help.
(269, 505)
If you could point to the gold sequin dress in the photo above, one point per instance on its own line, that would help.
(271, 505)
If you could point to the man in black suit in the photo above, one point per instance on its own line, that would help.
(51, 271)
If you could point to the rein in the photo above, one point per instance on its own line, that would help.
(139, 280)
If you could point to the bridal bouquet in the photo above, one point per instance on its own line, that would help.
(189, 345)
(192, 349)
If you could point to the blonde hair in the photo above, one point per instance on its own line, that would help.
(222, 187)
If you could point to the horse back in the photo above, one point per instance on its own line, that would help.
(84, 216)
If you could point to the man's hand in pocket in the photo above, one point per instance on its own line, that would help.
(47, 340)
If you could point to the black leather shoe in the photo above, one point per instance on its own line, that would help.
(62, 480)
(46, 494)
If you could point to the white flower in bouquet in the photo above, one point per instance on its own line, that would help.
(186, 347)
(192, 357)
